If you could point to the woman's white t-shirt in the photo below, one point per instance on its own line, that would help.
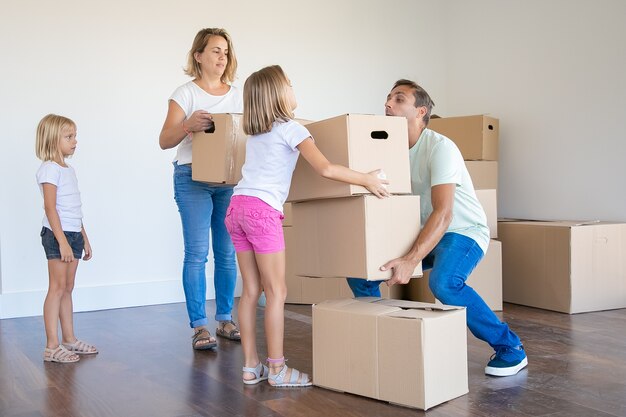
(68, 195)
(190, 97)
(270, 160)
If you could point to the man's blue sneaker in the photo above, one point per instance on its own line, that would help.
(507, 361)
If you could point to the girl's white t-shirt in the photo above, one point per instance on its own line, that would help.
(68, 195)
(190, 98)
(270, 160)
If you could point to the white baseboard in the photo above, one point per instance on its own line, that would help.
(30, 303)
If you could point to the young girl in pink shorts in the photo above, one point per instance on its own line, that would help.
(254, 216)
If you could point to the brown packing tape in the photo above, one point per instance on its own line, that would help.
(232, 153)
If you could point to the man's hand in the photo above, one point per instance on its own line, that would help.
(402, 270)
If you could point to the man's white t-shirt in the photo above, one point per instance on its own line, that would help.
(190, 97)
(68, 195)
(436, 160)
(270, 160)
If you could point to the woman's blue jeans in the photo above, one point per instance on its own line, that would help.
(202, 209)
(452, 261)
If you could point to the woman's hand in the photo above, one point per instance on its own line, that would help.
(199, 121)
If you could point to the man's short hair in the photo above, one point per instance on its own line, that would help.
(422, 99)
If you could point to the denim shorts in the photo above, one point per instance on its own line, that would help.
(51, 246)
(254, 225)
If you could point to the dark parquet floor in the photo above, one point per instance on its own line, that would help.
(146, 367)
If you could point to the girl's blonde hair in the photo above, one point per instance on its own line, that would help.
(49, 132)
(193, 68)
(265, 100)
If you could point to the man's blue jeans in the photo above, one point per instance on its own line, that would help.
(452, 261)
(202, 209)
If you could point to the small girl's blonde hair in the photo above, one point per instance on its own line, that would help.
(265, 100)
(48, 135)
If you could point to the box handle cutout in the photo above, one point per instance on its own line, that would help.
(211, 128)
(379, 134)
(490, 127)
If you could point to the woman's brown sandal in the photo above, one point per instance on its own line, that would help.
(232, 334)
(202, 335)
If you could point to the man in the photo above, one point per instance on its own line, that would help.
(454, 236)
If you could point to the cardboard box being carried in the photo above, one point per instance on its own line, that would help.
(475, 136)
(486, 280)
(354, 236)
(571, 267)
(219, 153)
(360, 142)
(407, 353)
(217, 156)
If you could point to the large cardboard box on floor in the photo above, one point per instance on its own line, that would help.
(571, 267)
(361, 142)
(489, 200)
(219, 154)
(354, 236)
(475, 136)
(484, 174)
(486, 280)
(407, 353)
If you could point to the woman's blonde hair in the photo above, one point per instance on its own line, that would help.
(193, 68)
(265, 100)
(49, 132)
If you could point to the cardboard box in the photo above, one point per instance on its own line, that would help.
(489, 200)
(354, 236)
(288, 220)
(412, 354)
(571, 267)
(360, 142)
(484, 174)
(486, 280)
(217, 157)
(475, 136)
(309, 290)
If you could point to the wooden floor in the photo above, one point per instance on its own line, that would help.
(146, 367)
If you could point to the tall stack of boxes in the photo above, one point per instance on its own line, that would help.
(477, 139)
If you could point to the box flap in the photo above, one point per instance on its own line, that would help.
(416, 305)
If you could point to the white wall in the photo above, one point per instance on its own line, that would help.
(553, 73)
(111, 66)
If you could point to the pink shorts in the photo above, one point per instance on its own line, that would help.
(254, 225)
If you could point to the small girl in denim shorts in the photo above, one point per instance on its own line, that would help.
(254, 216)
(62, 235)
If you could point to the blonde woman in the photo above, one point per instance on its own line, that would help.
(202, 207)
(254, 216)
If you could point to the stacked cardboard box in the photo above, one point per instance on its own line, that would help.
(308, 290)
(477, 139)
(407, 353)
